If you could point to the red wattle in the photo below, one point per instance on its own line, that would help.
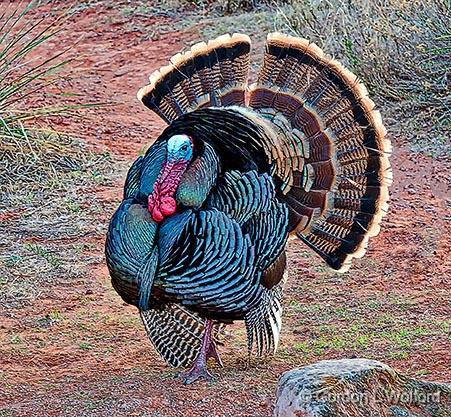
(168, 205)
(161, 202)
(156, 214)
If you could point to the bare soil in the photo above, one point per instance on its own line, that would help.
(77, 350)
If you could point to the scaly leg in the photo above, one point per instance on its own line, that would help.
(208, 350)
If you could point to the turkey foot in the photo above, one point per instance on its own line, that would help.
(198, 369)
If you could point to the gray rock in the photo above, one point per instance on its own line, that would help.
(358, 388)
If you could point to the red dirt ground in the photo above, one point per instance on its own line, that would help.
(93, 358)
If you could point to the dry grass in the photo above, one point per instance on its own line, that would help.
(47, 160)
(400, 49)
(46, 204)
(45, 177)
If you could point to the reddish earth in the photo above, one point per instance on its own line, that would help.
(90, 356)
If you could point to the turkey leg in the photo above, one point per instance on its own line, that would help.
(198, 369)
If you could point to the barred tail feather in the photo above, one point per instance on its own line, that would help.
(334, 171)
(176, 333)
(308, 118)
(209, 74)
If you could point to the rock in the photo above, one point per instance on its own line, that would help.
(358, 388)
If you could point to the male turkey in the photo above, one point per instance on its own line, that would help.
(199, 238)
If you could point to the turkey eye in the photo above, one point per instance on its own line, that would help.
(184, 147)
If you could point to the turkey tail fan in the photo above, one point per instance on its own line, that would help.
(210, 74)
(176, 333)
(334, 172)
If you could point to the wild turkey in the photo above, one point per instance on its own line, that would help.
(199, 238)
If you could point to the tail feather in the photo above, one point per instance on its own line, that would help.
(176, 333)
(338, 193)
(308, 118)
(264, 322)
(209, 74)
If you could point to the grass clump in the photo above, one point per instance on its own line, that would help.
(33, 157)
(45, 176)
(402, 51)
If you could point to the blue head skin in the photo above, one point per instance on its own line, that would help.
(180, 148)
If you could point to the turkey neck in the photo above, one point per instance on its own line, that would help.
(161, 202)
